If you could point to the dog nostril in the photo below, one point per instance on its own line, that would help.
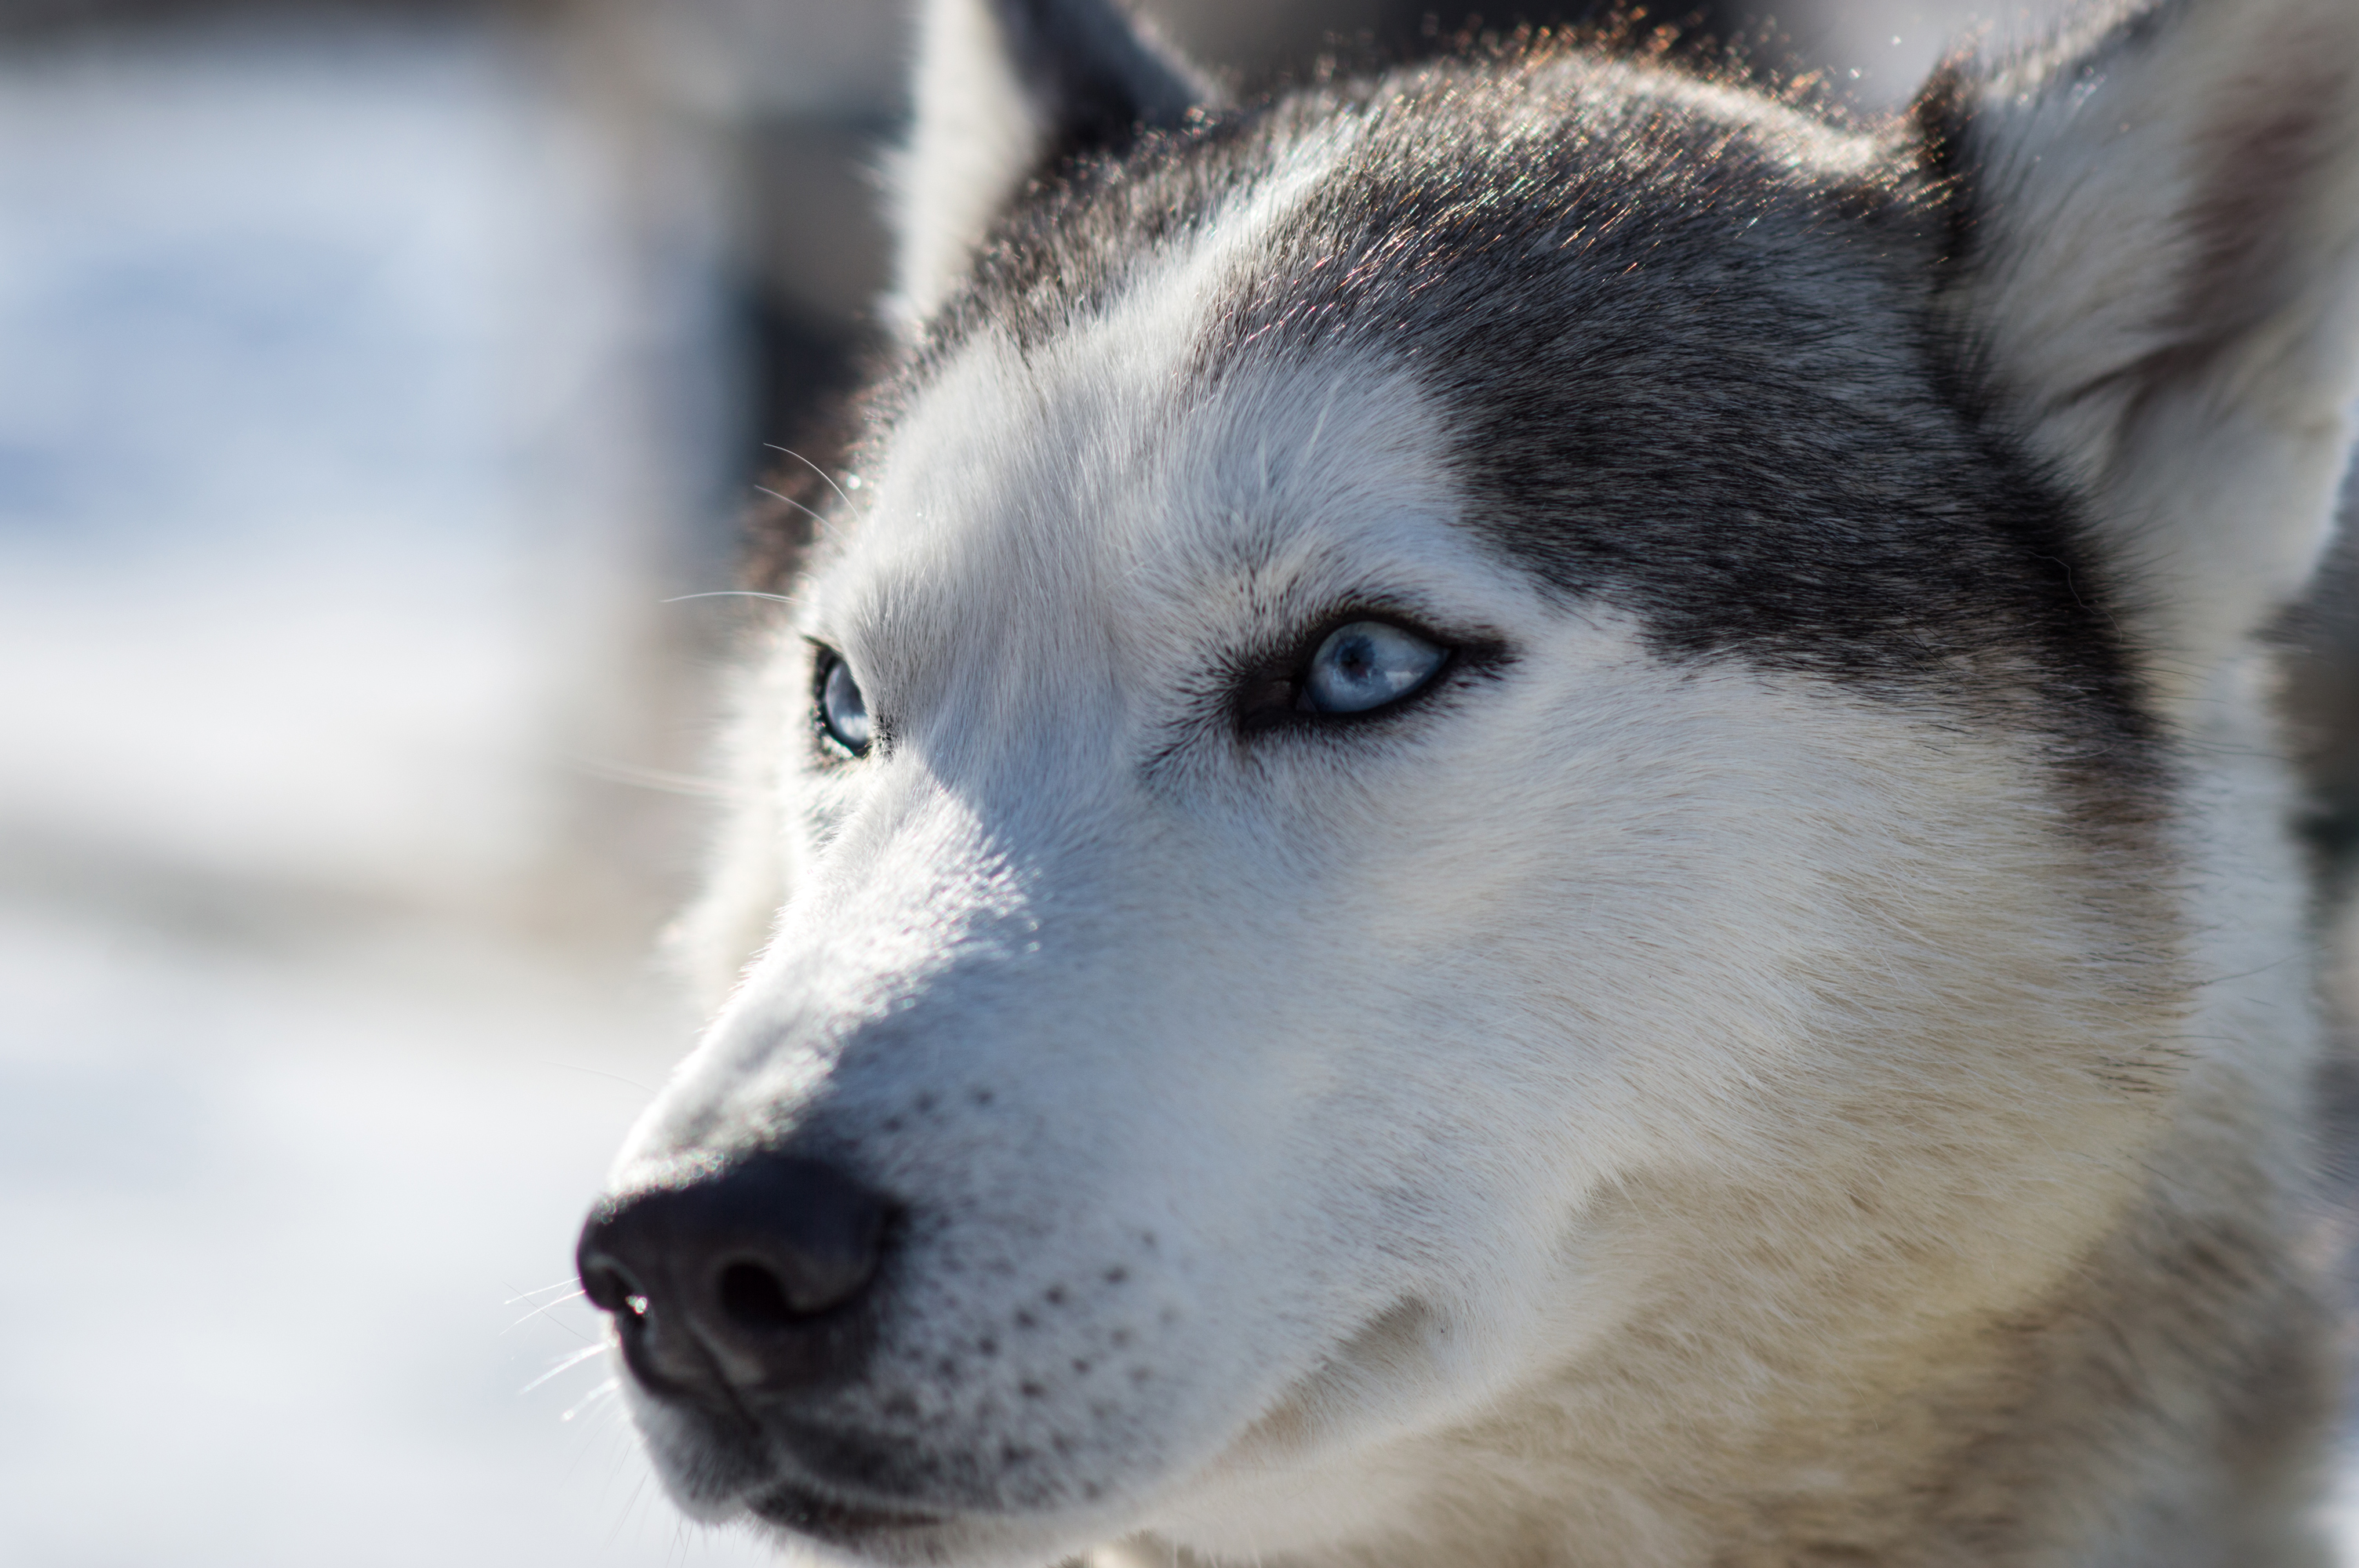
(753, 1298)
(611, 1288)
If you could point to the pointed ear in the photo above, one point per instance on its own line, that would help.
(2158, 240)
(1003, 87)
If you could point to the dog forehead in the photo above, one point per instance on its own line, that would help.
(1099, 492)
(1680, 340)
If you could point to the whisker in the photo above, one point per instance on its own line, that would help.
(656, 778)
(813, 467)
(790, 501)
(567, 1283)
(726, 594)
(567, 1365)
(630, 1507)
(573, 1294)
(592, 1397)
(598, 1073)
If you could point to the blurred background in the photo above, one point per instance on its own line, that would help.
(375, 379)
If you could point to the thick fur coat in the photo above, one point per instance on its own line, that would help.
(1788, 1040)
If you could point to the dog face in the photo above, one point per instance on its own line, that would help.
(1251, 1080)
(1363, 835)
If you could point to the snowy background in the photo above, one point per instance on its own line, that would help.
(370, 377)
(362, 390)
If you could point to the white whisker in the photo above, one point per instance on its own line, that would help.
(573, 1294)
(602, 1392)
(567, 1365)
(726, 594)
(790, 501)
(656, 778)
(598, 1073)
(813, 467)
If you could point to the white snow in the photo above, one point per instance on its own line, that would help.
(333, 387)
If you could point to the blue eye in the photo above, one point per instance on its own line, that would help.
(843, 711)
(1367, 664)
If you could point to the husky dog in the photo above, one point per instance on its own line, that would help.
(1521, 814)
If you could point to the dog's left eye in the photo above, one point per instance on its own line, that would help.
(843, 710)
(1367, 664)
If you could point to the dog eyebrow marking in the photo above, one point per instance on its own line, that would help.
(1673, 477)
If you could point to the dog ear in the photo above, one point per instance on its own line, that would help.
(1004, 88)
(2157, 251)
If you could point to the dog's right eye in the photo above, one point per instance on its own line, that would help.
(1366, 666)
(843, 710)
(1356, 670)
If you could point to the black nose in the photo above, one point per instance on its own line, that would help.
(738, 1281)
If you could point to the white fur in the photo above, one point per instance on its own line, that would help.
(1611, 1114)
(1399, 1188)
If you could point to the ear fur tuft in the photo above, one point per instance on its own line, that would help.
(1004, 88)
(2157, 241)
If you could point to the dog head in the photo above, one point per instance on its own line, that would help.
(1491, 740)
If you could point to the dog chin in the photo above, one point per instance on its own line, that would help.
(716, 1485)
(822, 1526)
(855, 1532)
(824, 1530)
